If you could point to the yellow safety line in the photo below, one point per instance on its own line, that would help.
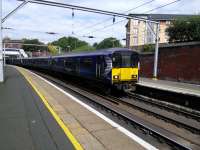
(56, 117)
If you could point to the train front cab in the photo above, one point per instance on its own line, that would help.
(125, 69)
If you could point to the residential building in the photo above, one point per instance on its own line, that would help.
(139, 33)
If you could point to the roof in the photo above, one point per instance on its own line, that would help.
(97, 52)
(160, 17)
(9, 41)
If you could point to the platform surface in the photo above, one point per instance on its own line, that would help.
(179, 87)
(25, 123)
(90, 130)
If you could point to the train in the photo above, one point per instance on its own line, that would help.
(113, 67)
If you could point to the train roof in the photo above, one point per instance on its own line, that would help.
(97, 52)
(91, 53)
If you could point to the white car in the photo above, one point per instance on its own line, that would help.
(14, 53)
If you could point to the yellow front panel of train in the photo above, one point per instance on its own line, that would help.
(124, 74)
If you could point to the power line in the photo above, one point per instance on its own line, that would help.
(48, 32)
(161, 6)
(51, 33)
(96, 11)
(107, 26)
(145, 3)
(81, 8)
(108, 19)
(15, 10)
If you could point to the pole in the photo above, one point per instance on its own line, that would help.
(155, 73)
(1, 50)
(59, 50)
(4, 54)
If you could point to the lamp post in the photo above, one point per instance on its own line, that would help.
(1, 49)
(155, 71)
(4, 53)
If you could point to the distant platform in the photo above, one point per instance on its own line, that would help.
(25, 123)
(178, 87)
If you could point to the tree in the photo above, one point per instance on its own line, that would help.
(70, 43)
(34, 47)
(52, 49)
(95, 44)
(184, 30)
(84, 48)
(148, 48)
(109, 43)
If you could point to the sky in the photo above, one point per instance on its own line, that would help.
(34, 20)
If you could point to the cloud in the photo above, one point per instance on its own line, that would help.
(51, 19)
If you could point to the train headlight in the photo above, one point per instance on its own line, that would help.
(134, 76)
(116, 77)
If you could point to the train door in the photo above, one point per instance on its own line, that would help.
(100, 66)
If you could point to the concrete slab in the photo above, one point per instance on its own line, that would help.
(91, 131)
(94, 123)
(191, 89)
(89, 142)
(25, 123)
(119, 141)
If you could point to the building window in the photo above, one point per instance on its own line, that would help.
(143, 37)
(168, 22)
(135, 41)
(135, 22)
(135, 31)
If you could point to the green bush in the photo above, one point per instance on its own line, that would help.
(148, 48)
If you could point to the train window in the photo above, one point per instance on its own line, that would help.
(87, 63)
(70, 64)
(116, 59)
(134, 60)
(53, 62)
(124, 60)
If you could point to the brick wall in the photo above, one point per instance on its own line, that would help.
(176, 63)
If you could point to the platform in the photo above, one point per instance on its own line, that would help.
(178, 87)
(27, 124)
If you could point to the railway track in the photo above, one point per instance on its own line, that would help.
(112, 105)
(173, 115)
(187, 112)
(181, 99)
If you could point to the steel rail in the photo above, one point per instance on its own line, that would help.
(181, 110)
